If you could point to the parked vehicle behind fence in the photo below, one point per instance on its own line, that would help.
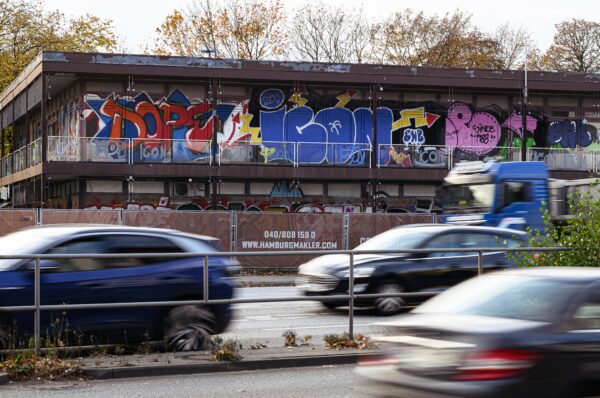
(404, 272)
(114, 280)
(533, 332)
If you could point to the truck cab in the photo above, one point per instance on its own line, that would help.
(507, 194)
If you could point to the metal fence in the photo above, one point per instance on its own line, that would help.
(37, 307)
(290, 153)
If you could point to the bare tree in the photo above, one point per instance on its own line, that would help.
(411, 38)
(231, 28)
(253, 29)
(512, 43)
(576, 47)
(323, 33)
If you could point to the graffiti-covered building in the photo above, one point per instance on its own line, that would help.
(153, 132)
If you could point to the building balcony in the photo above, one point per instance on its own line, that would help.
(283, 155)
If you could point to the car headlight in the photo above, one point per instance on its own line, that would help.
(361, 272)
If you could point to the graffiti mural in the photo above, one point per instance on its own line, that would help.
(280, 125)
(475, 132)
(147, 124)
(571, 133)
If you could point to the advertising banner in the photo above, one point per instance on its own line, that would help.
(287, 232)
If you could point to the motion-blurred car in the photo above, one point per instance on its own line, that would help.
(403, 272)
(114, 280)
(521, 333)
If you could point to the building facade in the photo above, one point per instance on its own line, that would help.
(104, 131)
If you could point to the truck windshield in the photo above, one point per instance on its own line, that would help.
(468, 198)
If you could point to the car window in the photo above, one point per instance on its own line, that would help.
(505, 296)
(129, 243)
(587, 315)
(446, 241)
(503, 241)
(468, 240)
(86, 245)
(516, 191)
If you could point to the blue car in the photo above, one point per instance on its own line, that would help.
(116, 280)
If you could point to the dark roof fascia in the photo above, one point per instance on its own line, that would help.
(153, 66)
(189, 67)
(27, 76)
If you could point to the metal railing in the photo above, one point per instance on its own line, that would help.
(566, 158)
(265, 153)
(290, 153)
(126, 150)
(333, 154)
(412, 156)
(37, 307)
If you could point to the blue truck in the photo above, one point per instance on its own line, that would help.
(507, 194)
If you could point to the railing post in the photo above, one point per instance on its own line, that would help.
(351, 297)
(205, 279)
(479, 263)
(36, 303)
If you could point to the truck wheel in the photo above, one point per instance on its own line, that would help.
(188, 328)
(389, 305)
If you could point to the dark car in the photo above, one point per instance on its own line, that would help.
(114, 280)
(520, 333)
(402, 272)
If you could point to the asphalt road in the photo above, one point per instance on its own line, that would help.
(314, 382)
(265, 322)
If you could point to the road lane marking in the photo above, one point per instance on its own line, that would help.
(320, 327)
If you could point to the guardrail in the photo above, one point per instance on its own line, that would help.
(37, 307)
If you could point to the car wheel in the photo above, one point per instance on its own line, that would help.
(389, 305)
(329, 305)
(188, 328)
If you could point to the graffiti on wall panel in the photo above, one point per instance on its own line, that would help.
(515, 124)
(140, 118)
(301, 126)
(65, 142)
(571, 133)
(476, 132)
(419, 157)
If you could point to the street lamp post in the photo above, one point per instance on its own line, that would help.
(524, 114)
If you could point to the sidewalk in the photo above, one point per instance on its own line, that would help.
(162, 364)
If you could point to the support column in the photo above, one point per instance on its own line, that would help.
(374, 143)
(1, 135)
(44, 117)
(44, 127)
(214, 184)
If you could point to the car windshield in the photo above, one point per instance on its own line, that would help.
(21, 242)
(395, 239)
(504, 296)
(468, 197)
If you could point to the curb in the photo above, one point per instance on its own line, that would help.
(180, 369)
(267, 284)
(3, 378)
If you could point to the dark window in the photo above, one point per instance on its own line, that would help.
(87, 245)
(124, 244)
(587, 315)
(516, 191)
(466, 241)
(446, 241)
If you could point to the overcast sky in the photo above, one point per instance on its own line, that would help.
(136, 20)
